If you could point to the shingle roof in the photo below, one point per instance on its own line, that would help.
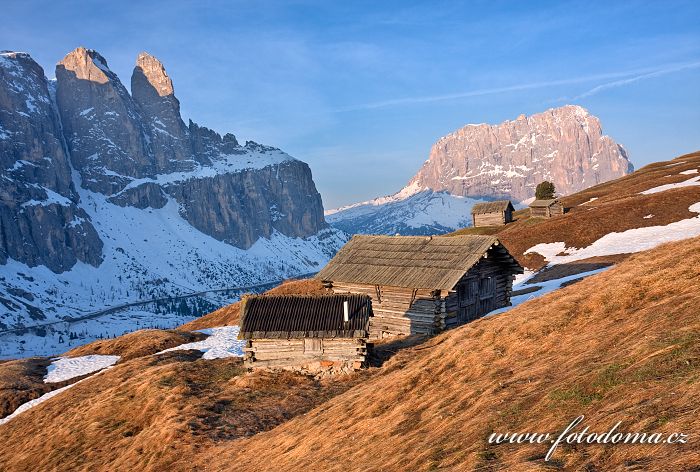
(436, 262)
(543, 203)
(305, 316)
(497, 206)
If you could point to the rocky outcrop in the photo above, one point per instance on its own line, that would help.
(154, 95)
(103, 130)
(41, 222)
(563, 145)
(242, 207)
(135, 151)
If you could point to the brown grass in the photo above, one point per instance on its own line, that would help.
(619, 207)
(230, 315)
(620, 346)
(157, 413)
(137, 344)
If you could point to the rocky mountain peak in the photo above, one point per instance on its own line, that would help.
(564, 145)
(86, 64)
(150, 69)
(154, 94)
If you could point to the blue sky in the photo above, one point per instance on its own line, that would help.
(360, 90)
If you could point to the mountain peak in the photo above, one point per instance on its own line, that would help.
(86, 64)
(150, 69)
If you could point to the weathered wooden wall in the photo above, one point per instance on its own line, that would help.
(309, 353)
(399, 310)
(490, 219)
(547, 212)
(421, 311)
(485, 288)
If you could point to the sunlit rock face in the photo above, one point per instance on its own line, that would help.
(563, 145)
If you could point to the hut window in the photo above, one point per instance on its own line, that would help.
(312, 345)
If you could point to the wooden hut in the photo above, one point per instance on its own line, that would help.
(423, 285)
(546, 208)
(308, 333)
(496, 213)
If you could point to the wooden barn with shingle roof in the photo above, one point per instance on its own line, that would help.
(306, 332)
(496, 213)
(423, 285)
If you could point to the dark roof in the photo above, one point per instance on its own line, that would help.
(433, 262)
(497, 206)
(305, 316)
(544, 203)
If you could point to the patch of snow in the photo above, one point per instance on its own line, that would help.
(221, 342)
(86, 111)
(662, 188)
(66, 368)
(646, 217)
(630, 241)
(545, 288)
(589, 201)
(689, 172)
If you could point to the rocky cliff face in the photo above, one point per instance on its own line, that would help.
(482, 162)
(134, 149)
(563, 145)
(41, 222)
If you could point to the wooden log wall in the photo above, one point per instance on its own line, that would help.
(490, 219)
(400, 310)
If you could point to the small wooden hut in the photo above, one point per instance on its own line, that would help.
(496, 213)
(423, 285)
(546, 208)
(308, 333)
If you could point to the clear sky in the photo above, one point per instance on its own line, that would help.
(361, 89)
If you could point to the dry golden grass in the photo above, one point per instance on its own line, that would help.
(619, 207)
(620, 346)
(157, 413)
(230, 315)
(137, 344)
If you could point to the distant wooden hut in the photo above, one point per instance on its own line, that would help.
(423, 285)
(496, 213)
(310, 333)
(546, 208)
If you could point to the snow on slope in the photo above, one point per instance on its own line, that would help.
(222, 342)
(410, 212)
(544, 288)
(632, 240)
(66, 368)
(686, 183)
(148, 253)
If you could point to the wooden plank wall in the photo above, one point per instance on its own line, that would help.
(299, 352)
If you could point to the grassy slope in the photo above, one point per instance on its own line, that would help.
(618, 207)
(137, 344)
(620, 346)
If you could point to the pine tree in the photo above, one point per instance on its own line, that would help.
(545, 191)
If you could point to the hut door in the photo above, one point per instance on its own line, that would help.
(487, 295)
(468, 297)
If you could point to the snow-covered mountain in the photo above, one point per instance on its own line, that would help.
(409, 213)
(107, 198)
(484, 162)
